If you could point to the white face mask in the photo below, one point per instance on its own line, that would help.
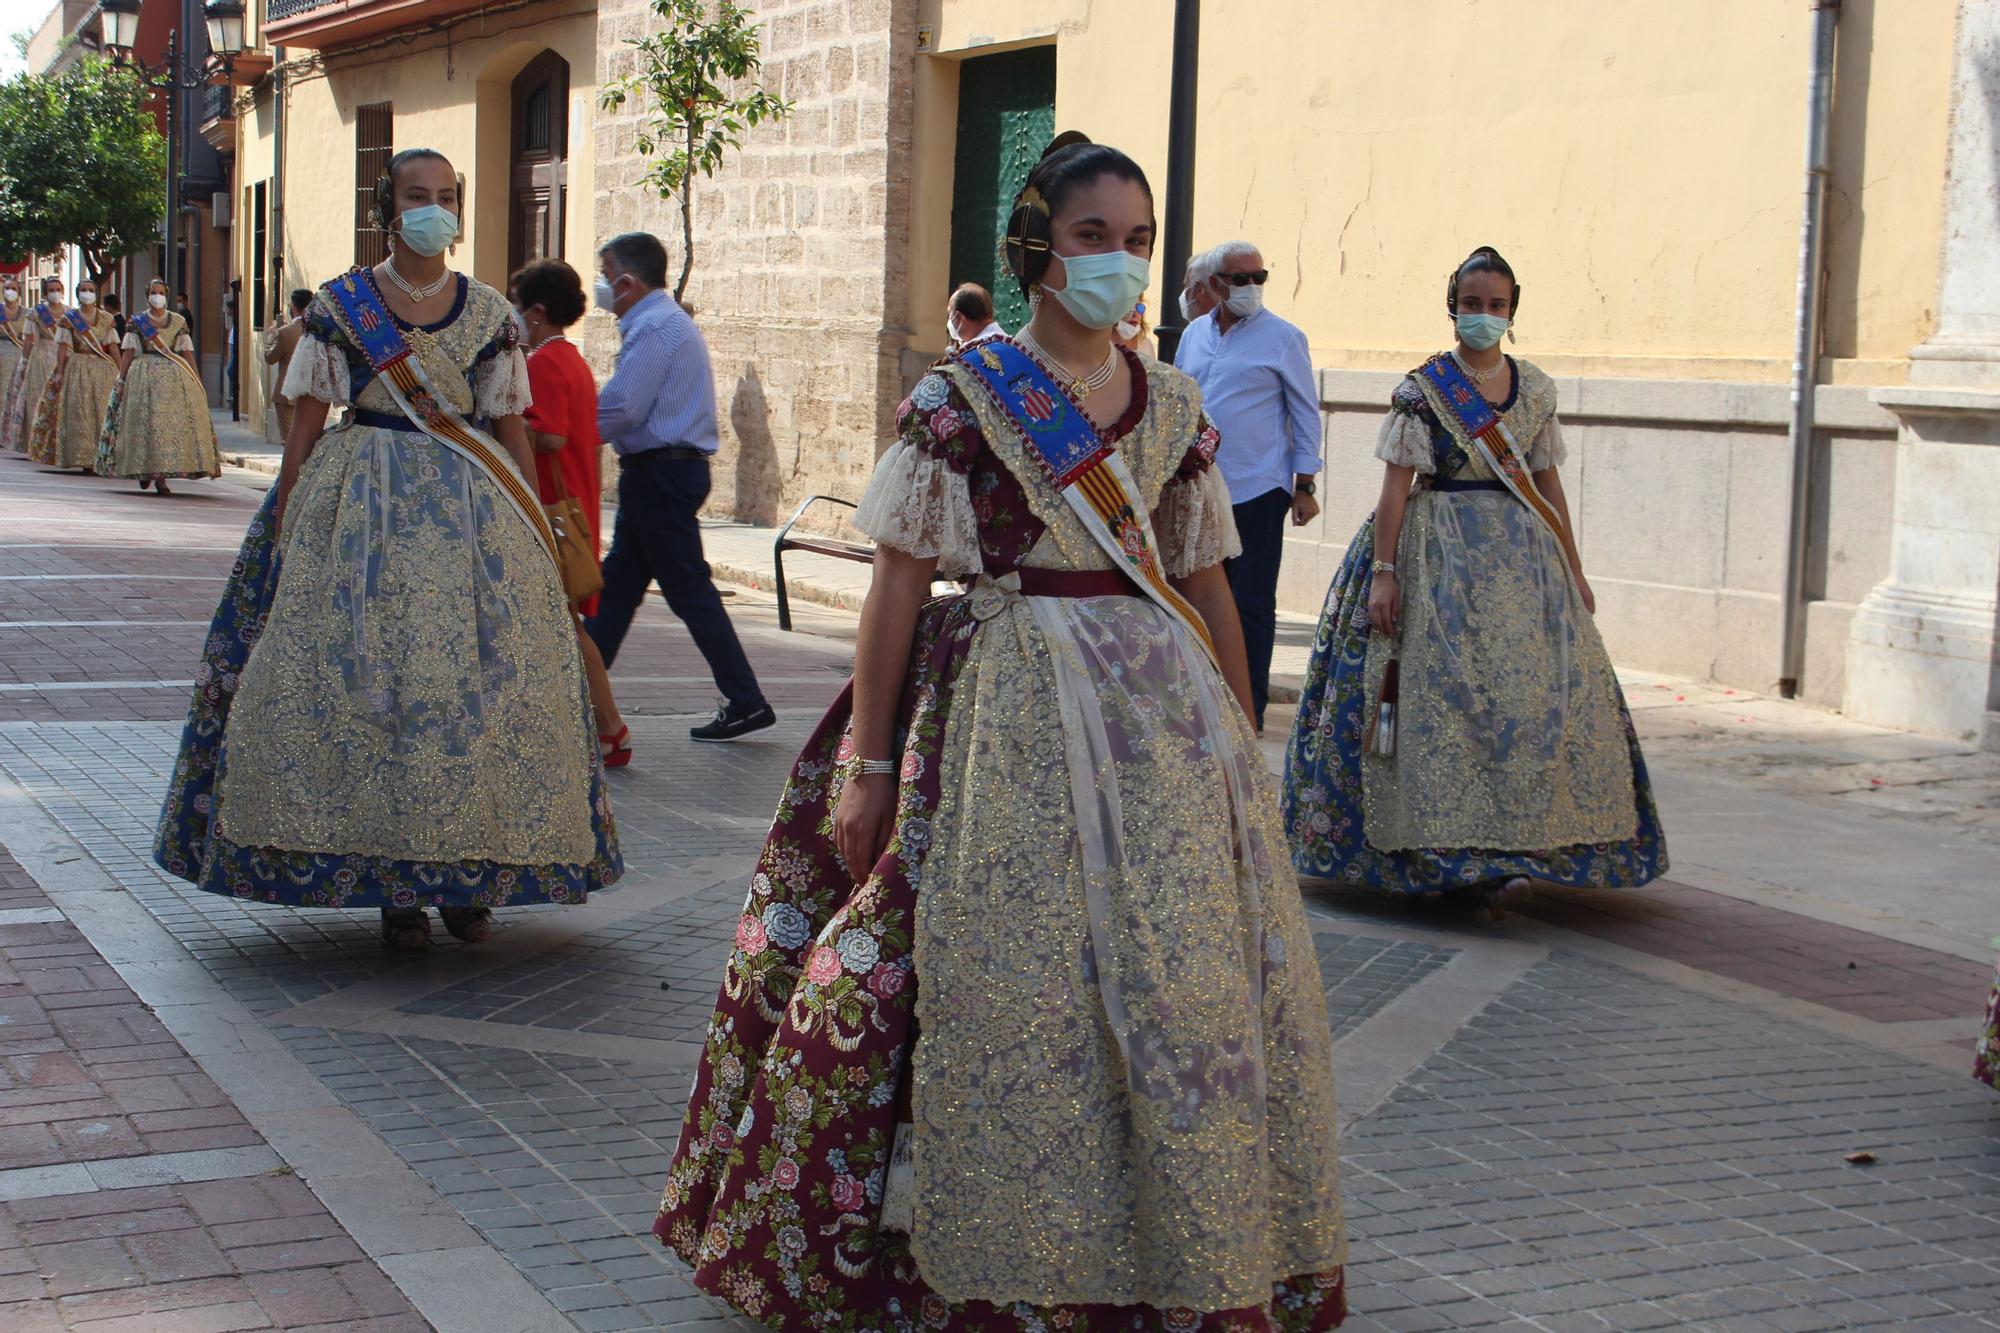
(1245, 300)
(86, 298)
(1189, 310)
(1126, 330)
(950, 331)
(157, 300)
(11, 293)
(604, 293)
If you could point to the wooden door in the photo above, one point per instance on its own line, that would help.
(540, 161)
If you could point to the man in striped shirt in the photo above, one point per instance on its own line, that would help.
(658, 413)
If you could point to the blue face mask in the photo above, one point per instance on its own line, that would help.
(1480, 332)
(1100, 290)
(427, 230)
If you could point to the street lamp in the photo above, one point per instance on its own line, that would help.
(225, 27)
(119, 22)
(118, 27)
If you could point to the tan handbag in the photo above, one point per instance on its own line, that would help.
(575, 553)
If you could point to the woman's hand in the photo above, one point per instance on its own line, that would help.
(278, 509)
(863, 820)
(1385, 603)
(1583, 590)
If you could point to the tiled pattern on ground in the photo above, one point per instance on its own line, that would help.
(558, 1160)
(88, 1074)
(1601, 1151)
(1362, 973)
(651, 975)
(223, 1254)
(1849, 970)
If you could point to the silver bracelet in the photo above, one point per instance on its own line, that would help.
(1383, 567)
(871, 768)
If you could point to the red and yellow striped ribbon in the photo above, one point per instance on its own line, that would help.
(404, 377)
(1107, 497)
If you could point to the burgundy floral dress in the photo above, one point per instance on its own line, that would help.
(1027, 1165)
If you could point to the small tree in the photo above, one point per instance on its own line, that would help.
(81, 164)
(685, 75)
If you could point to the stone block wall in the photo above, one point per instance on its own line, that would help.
(798, 243)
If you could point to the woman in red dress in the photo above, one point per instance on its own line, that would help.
(562, 426)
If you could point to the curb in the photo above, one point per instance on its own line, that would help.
(264, 463)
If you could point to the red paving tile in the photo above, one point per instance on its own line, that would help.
(89, 1074)
(1852, 971)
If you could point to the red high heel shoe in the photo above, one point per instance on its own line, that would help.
(615, 750)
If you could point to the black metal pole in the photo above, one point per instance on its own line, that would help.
(1177, 238)
(173, 92)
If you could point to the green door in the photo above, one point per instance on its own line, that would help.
(1006, 116)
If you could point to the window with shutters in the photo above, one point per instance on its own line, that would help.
(374, 140)
(260, 253)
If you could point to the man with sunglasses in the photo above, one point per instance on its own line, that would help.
(1257, 386)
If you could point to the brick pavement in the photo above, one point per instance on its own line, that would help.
(1596, 1148)
(88, 1074)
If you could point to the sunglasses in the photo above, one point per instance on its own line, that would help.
(1260, 277)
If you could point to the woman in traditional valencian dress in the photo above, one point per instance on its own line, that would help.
(13, 347)
(157, 425)
(44, 354)
(1986, 1055)
(78, 393)
(1461, 728)
(410, 729)
(1023, 1028)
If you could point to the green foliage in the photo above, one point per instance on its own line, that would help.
(81, 163)
(691, 80)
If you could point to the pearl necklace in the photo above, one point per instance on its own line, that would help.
(552, 338)
(1079, 386)
(418, 294)
(1486, 376)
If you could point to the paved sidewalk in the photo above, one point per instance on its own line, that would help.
(1612, 1111)
(133, 1193)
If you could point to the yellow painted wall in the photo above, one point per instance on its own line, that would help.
(452, 97)
(1640, 164)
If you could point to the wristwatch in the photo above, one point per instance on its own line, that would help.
(1306, 486)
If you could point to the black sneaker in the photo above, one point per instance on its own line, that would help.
(731, 722)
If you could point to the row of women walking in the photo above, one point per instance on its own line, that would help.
(1022, 1027)
(76, 393)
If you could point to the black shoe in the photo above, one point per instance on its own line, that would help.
(732, 721)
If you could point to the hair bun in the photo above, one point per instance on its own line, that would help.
(1067, 139)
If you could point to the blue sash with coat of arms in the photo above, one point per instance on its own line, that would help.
(1083, 467)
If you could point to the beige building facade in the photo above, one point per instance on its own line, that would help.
(1641, 166)
(506, 92)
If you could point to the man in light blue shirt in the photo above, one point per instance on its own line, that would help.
(658, 413)
(1257, 386)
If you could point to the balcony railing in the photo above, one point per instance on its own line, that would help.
(277, 11)
(217, 103)
(333, 23)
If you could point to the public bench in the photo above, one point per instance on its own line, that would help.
(815, 545)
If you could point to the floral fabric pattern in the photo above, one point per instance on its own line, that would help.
(1986, 1056)
(158, 424)
(805, 1088)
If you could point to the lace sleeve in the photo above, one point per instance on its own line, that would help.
(1405, 436)
(919, 504)
(1195, 525)
(184, 343)
(1549, 448)
(131, 342)
(318, 370)
(500, 385)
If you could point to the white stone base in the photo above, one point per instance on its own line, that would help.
(1921, 660)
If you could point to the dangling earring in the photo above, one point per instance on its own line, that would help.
(1034, 299)
(1510, 331)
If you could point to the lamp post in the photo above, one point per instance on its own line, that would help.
(118, 26)
(1177, 240)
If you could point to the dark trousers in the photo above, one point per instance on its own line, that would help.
(1253, 582)
(657, 539)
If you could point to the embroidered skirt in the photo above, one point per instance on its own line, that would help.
(1518, 722)
(401, 718)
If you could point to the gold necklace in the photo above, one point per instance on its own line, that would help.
(1079, 386)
